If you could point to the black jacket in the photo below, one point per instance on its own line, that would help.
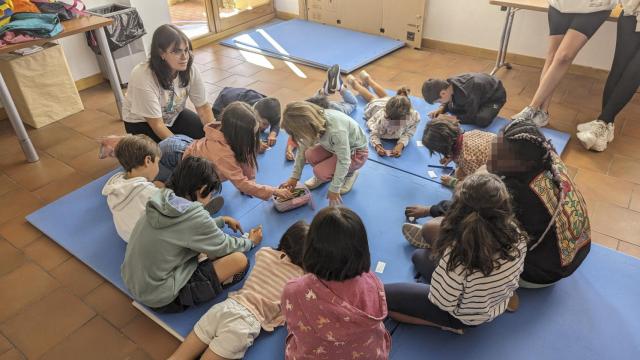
(231, 94)
(471, 92)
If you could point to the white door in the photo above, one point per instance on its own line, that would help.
(404, 22)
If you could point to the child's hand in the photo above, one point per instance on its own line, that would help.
(445, 161)
(435, 113)
(289, 184)
(263, 147)
(271, 140)
(232, 223)
(283, 194)
(380, 150)
(416, 211)
(255, 235)
(334, 198)
(449, 181)
(397, 150)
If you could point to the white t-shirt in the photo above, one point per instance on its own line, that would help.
(147, 99)
(582, 6)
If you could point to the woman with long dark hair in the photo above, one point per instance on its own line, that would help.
(158, 90)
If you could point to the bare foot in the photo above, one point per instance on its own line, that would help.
(108, 146)
(514, 303)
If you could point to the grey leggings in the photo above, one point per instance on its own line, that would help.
(411, 298)
(624, 77)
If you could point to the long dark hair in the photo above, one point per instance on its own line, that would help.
(191, 174)
(337, 247)
(441, 135)
(480, 227)
(239, 127)
(163, 38)
(292, 241)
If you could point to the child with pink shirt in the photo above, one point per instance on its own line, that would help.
(336, 310)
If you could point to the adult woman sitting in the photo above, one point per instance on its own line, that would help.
(547, 204)
(158, 90)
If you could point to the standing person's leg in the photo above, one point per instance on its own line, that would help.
(141, 128)
(408, 303)
(622, 84)
(188, 123)
(625, 69)
(554, 44)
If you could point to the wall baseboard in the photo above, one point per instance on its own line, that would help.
(283, 15)
(511, 57)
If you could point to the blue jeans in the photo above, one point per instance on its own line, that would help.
(348, 103)
(172, 149)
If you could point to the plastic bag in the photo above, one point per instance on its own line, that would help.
(127, 26)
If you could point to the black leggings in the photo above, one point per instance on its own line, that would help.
(411, 298)
(624, 77)
(187, 123)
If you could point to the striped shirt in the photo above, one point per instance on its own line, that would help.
(475, 298)
(263, 288)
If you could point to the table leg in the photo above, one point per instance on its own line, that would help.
(16, 122)
(504, 41)
(112, 74)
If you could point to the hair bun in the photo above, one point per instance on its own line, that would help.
(404, 91)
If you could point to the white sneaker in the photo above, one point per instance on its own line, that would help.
(413, 234)
(584, 127)
(313, 182)
(541, 118)
(348, 182)
(596, 138)
(526, 113)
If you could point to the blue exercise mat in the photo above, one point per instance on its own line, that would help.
(591, 315)
(416, 159)
(315, 44)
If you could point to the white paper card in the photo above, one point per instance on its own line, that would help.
(419, 143)
(432, 174)
(380, 267)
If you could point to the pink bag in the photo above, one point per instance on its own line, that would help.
(301, 197)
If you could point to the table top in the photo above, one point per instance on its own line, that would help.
(542, 5)
(71, 27)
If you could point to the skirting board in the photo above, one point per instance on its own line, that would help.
(286, 15)
(512, 58)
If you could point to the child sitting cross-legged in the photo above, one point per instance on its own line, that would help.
(162, 266)
(473, 266)
(336, 310)
(128, 191)
(468, 150)
(388, 117)
(229, 328)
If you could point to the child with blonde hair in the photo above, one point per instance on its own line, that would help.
(387, 117)
(331, 142)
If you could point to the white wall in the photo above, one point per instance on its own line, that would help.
(82, 61)
(288, 6)
(477, 23)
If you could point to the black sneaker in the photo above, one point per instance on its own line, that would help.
(215, 205)
(334, 82)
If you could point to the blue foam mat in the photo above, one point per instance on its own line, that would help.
(415, 160)
(591, 315)
(315, 44)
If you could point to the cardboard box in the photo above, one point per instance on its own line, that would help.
(41, 85)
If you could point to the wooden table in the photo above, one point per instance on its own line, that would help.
(71, 27)
(511, 7)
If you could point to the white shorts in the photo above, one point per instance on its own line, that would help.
(229, 329)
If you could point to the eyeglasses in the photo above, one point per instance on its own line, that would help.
(181, 52)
